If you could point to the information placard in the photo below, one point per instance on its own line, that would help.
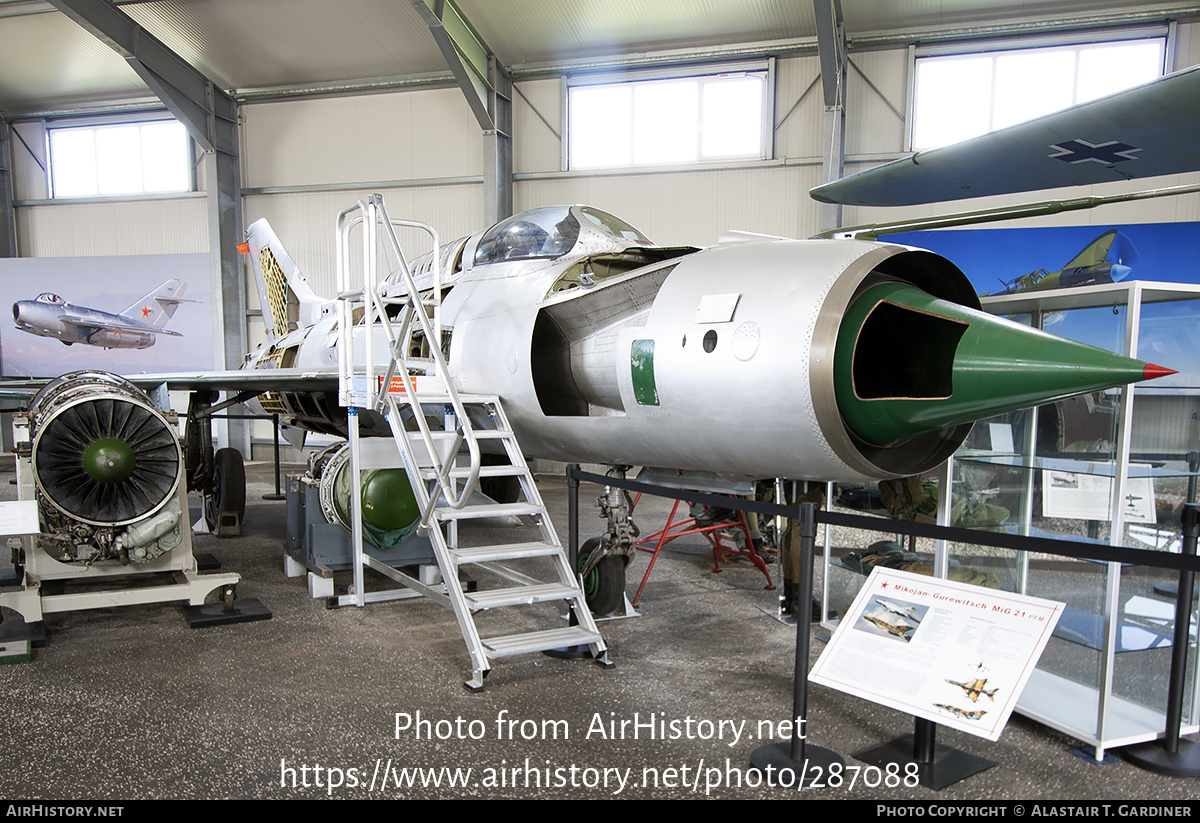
(953, 653)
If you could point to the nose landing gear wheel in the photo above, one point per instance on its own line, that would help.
(604, 585)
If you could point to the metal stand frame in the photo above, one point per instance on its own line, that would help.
(712, 533)
(797, 756)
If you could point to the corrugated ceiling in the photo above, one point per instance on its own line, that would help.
(48, 63)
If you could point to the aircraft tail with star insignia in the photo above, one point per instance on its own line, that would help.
(158, 307)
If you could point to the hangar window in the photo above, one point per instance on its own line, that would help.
(668, 120)
(957, 96)
(125, 158)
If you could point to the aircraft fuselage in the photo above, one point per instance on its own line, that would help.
(717, 359)
(89, 326)
(735, 359)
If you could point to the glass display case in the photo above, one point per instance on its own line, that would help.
(1100, 468)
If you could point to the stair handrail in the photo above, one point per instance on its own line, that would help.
(347, 219)
(377, 216)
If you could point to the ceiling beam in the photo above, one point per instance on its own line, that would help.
(211, 117)
(486, 83)
(8, 225)
(831, 52)
(831, 48)
(465, 52)
(205, 110)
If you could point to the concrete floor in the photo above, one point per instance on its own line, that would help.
(130, 703)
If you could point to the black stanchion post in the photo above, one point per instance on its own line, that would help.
(1173, 756)
(574, 652)
(278, 495)
(924, 740)
(1193, 460)
(786, 763)
(573, 515)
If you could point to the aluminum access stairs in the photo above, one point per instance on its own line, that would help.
(442, 436)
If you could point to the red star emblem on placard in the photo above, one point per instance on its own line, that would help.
(145, 311)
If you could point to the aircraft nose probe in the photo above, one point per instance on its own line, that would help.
(955, 365)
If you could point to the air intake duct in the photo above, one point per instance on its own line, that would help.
(102, 454)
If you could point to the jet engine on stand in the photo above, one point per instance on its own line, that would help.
(106, 471)
(106, 465)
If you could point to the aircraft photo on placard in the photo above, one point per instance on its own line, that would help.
(963, 713)
(1000, 260)
(890, 618)
(975, 689)
(1107, 259)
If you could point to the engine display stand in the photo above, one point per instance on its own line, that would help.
(155, 564)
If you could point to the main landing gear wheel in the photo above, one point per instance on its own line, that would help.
(225, 506)
(604, 585)
(503, 489)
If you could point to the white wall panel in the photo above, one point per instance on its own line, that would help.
(871, 125)
(535, 148)
(691, 207)
(1187, 46)
(399, 136)
(800, 134)
(160, 226)
(431, 134)
(29, 178)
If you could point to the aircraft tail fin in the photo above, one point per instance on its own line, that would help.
(158, 307)
(1096, 252)
(286, 298)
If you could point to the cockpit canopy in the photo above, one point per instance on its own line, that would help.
(553, 231)
(47, 297)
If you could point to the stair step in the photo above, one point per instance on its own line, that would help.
(437, 454)
(505, 551)
(511, 644)
(486, 510)
(480, 434)
(465, 399)
(460, 472)
(520, 595)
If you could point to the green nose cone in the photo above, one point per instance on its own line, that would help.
(387, 500)
(109, 461)
(908, 363)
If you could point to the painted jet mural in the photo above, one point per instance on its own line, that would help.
(136, 327)
(1107, 259)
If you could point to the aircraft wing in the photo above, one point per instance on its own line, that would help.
(256, 380)
(1145, 131)
(113, 325)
